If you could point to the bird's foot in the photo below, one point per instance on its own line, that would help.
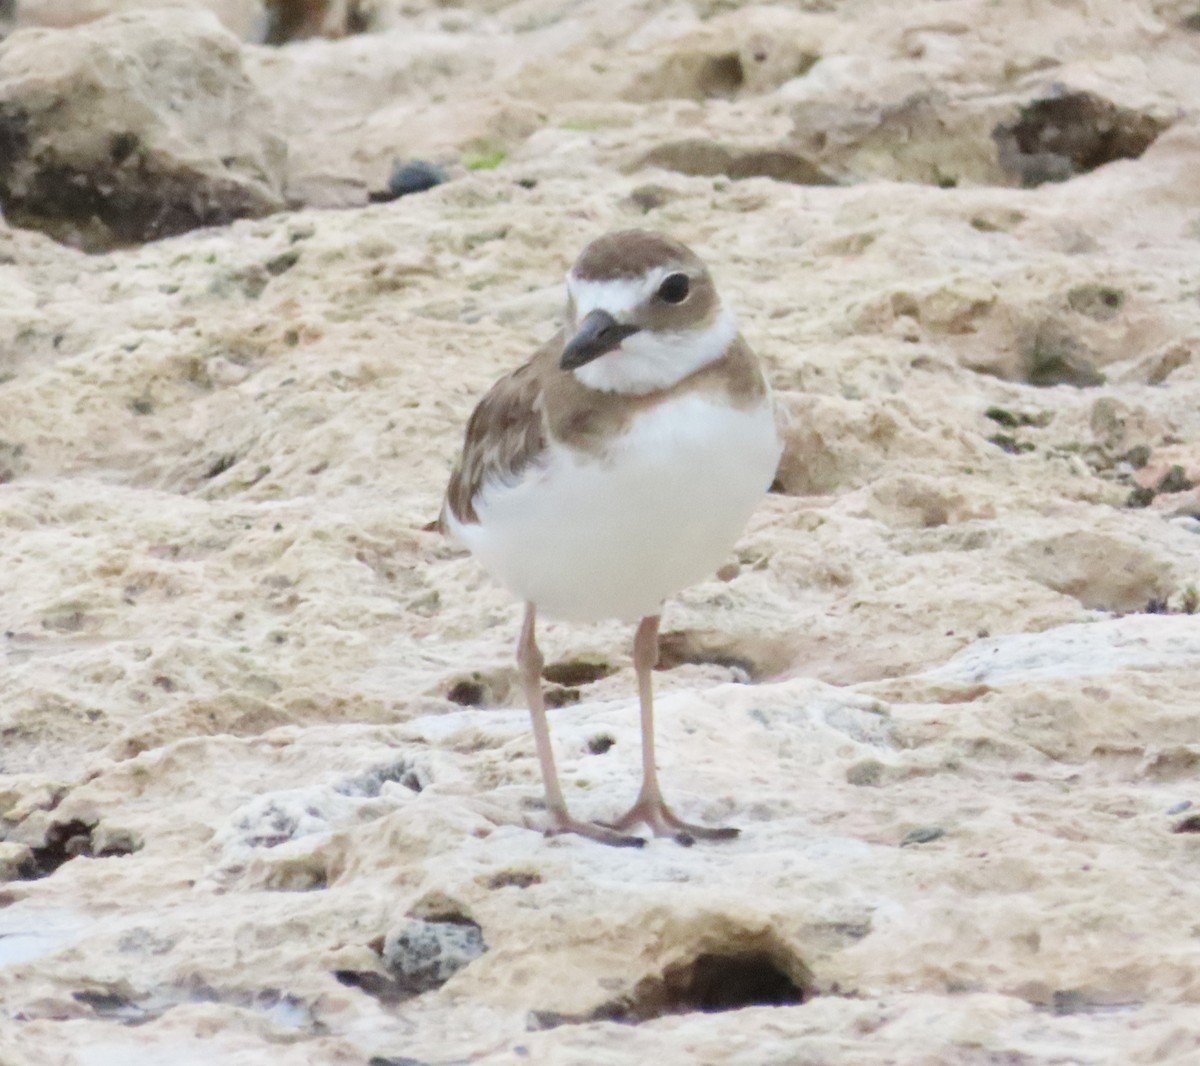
(664, 822)
(559, 822)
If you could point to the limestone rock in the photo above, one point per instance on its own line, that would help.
(133, 127)
(246, 19)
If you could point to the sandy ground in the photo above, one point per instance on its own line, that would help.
(947, 686)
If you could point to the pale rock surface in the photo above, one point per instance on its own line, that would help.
(946, 684)
(248, 19)
(133, 127)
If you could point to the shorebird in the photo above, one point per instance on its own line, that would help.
(613, 469)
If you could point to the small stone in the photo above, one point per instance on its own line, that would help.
(423, 955)
(1138, 456)
(600, 744)
(650, 197)
(1190, 824)
(1175, 480)
(867, 773)
(924, 835)
(1180, 807)
(415, 176)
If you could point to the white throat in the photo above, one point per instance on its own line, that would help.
(650, 360)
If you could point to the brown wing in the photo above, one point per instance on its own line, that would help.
(505, 434)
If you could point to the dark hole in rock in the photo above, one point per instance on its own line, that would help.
(1067, 133)
(122, 146)
(557, 696)
(116, 1006)
(722, 75)
(394, 1060)
(1190, 824)
(481, 688)
(576, 672)
(728, 982)
(467, 693)
(1191, 22)
(101, 1001)
(754, 657)
(376, 985)
(219, 467)
(514, 879)
(64, 842)
(711, 982)
(600, 744)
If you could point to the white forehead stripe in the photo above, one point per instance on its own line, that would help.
(651, 360)
(618, 296)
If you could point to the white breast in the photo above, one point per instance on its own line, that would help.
(586, 538)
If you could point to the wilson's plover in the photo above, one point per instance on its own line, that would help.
(615, 468)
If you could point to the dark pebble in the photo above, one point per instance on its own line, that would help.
(924, 835)
(1175, 480)
(415, 176)
(1142, 496)
(1190, 824)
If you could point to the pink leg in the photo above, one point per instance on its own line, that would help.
(649, 808)
(530, 662)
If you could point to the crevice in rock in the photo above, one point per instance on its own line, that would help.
(576, 672)
(1066, 133)
(481, 688)
(722, 75)
(118, 1003)
(558, 696)
(65, 841)
(700, 157)
(514, 879)
(757, 658)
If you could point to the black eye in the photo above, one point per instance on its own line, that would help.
(674, 288)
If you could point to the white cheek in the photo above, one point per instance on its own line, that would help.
(648, 361)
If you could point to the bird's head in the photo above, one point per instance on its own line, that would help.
(642, 314)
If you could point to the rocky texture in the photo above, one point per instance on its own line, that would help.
(262, 754)
(133, 127)
(248, 19)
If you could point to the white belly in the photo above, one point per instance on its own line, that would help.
(587, 538)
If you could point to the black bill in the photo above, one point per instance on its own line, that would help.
(598, 334)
